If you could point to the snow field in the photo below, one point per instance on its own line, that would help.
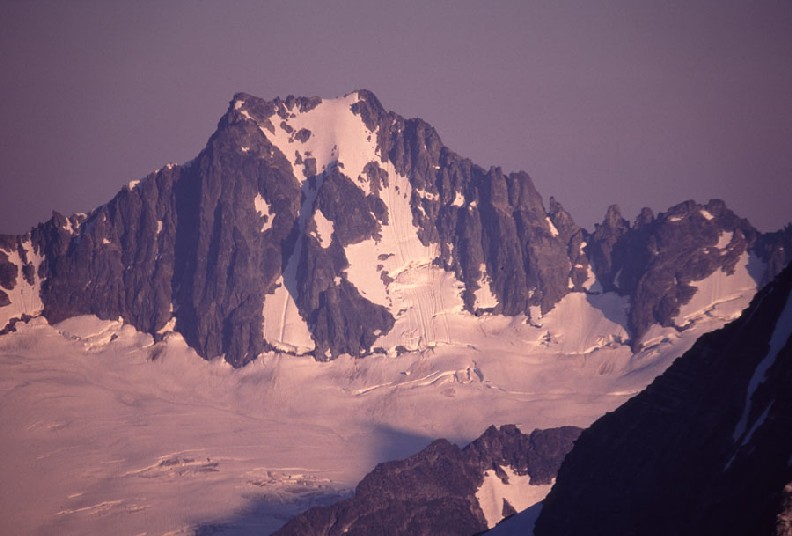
(105, 431)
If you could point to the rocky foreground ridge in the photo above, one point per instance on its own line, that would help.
(705, 449)
(446, 490)
(306, 226)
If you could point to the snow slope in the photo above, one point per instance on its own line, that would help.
(394, 270)
(516, 489)
(719, 289)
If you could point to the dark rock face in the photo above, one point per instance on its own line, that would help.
(208, 243)
(655, 260)
(188, 242)
(8, 272)
(343, 321)
(705, 449)
(113, 266)
(434, 491)
(775, 249)
(573, 236)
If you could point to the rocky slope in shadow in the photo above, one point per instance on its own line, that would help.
(436, 491)
(705, 449)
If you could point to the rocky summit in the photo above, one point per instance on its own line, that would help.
(332, 226)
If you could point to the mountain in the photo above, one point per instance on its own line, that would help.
(445, 490)
(705, 449)
(336, 227)
(309, 233)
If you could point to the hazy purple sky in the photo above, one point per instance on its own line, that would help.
(634, 103)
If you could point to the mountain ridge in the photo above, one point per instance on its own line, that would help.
(356, 237)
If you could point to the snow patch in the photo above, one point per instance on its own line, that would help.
(553, 230)
(73, 223)
(459, 199)
(338, 136)
(517, 490)
(590, 284)
(485, 299)
(170, 325)
(707, 214)
(724, 239)
(95, 335)
(263, 209)
(423, 194)
(450, 246)
(324, 229)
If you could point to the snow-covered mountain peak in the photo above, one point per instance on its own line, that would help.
(333, 226)
(316, 134)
